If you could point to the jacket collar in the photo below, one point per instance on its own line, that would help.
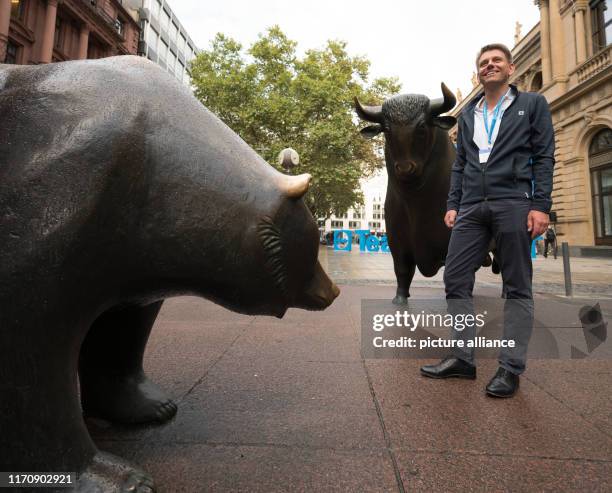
(469, 109)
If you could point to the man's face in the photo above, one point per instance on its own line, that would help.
(494, 68)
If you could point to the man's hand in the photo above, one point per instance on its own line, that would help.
(537, 222)
(449, 218)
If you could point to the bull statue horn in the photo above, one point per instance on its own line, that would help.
(368, 113)
(442, 105)
(295, 186)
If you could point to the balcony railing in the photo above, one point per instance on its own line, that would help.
(113, 23)
(595, 64)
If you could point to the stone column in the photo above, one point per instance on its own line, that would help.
(556, 41)
(5, 21)
(46, 47)
(581, 49)
(545, 40)
(83, 42)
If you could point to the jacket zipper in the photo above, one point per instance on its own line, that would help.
(484, 165)
(484, 183)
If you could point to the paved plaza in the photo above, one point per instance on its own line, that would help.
(290, 405)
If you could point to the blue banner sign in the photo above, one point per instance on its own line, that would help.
(343, 241)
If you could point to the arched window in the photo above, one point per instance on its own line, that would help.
(600, 164)
(536, 82)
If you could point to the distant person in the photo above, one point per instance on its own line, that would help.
(501, 185)
(550, 238)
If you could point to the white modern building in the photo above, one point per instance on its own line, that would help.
(163, 39)
(370, 216)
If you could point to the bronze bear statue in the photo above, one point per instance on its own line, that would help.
(119, 189)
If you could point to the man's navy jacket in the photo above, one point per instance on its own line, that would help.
(521, 162)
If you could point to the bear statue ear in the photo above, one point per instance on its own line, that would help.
(371, 131)
(444, 122)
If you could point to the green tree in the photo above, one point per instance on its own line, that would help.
(274, 99)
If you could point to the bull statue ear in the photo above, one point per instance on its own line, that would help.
(444, 122)
(371, 131)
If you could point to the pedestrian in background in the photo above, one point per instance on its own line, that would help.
(550, 238)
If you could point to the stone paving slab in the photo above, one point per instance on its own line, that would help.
(289, 405)
(456, 415)
(460, 472)
(227, 467)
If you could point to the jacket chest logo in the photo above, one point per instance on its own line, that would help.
(521, 112)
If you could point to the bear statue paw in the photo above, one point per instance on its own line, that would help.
(400, 300)
(126, 400)
(108, 473)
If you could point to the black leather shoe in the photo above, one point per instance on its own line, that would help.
(450, 367)
(503, 384)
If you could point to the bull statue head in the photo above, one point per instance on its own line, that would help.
(411, 123)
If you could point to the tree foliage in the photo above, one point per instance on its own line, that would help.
(274, 99)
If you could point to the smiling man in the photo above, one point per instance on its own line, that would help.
(500, 188)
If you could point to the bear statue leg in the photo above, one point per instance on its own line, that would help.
(404, 267)
(114, 385)
(41, 423)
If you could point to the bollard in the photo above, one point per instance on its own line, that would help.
(566, 268)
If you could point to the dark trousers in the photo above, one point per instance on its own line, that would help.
(505, 220)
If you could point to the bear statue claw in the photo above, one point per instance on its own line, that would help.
(108, 473)
(126, 400)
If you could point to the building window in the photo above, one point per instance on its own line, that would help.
(354, 224)
(11, 53)
(374, 225)
(536, 83)
(173, 32)
(600, 164)
(163, 50)
(601, 24)
(155, 8)
(165, 20)
(17, 9)
(119, 26)
(58, 33)
(337, 224)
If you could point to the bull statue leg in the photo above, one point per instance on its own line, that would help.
(404, 267)
(400, 244)
(114, 385)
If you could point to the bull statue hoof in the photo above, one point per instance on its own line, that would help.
(108, 473)
(400, 300)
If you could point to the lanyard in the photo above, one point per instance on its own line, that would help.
(495, 115)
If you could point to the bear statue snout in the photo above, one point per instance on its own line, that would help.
(319, 293)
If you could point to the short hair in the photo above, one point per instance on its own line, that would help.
(495, 46)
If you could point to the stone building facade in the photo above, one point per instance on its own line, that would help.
(566, 57)
(44, 31)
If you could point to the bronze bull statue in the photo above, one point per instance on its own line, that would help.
(418, 155)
